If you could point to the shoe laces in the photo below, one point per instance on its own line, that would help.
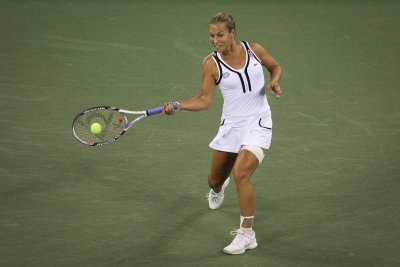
(239, 234)
(214, 196)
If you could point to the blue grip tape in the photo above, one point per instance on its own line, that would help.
(154, 111)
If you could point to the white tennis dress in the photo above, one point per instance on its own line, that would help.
(246, 115)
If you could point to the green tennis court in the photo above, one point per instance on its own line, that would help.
(327, 192)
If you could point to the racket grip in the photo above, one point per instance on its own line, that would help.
(154, 111)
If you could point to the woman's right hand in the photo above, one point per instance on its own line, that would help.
(168, 108)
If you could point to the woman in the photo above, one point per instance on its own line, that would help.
(245, 132)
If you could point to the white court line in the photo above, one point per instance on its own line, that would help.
(308, 116)
(367, 130)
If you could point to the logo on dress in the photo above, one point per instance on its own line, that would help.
(226, 75)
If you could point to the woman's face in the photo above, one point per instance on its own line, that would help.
(220, 37)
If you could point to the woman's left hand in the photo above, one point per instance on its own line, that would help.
(275, 88)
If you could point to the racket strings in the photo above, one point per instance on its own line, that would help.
(112, 125)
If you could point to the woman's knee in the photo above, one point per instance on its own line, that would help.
(241, 176)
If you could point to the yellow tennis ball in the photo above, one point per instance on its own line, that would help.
(95, 128)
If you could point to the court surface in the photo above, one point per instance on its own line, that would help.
(327, 192)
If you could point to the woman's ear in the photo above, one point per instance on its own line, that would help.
(234, 33)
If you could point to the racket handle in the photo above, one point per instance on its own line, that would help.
(154, 111)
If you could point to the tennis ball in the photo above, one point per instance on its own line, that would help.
(95, 128)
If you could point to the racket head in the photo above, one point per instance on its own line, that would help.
(113, 125)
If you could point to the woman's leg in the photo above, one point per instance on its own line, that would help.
(221, 167)
(245, 165)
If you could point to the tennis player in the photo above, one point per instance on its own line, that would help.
(245, 131)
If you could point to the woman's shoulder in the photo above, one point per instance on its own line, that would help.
(256, 46)
(208, 57)
(258, 49)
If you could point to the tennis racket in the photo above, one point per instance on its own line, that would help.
(111, 123)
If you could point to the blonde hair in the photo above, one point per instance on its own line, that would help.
(225, 18)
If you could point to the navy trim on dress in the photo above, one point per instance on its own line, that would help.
(251, 51)
(234, 71)
(259, 123)
(219, 67)
(247, 64)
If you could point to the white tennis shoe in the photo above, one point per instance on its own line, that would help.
(241, 242)
(215, 199)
